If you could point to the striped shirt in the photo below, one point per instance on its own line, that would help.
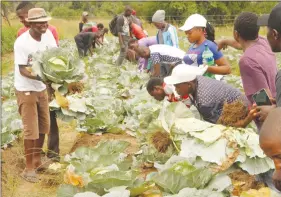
(160, 53)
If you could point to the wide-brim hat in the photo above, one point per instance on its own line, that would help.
(37, 15)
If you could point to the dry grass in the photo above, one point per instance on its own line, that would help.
(161, 141)
(92, 140)
(14, 162)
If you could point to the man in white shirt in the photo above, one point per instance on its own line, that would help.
(31, 92)
(160, 55)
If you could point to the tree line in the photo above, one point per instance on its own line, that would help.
(175, 10)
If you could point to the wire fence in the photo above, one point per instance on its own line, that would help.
(215, 20)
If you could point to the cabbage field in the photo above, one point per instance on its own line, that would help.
(171, 152)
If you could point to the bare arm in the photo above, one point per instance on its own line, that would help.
(97, 40)
(243, 123)
(24, 72)
(91, 50)
(223, 44)
(250, 117)
(121, 40)
(156, 70)
(223, 67)
(120, 23)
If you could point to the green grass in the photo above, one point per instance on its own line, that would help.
(8, 36)
(7, 63)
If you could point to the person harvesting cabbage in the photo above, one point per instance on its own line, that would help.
(208, 95)
(159, 90)
(85, 42)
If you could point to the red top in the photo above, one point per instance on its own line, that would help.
(134, 12)
(50, 27)
(171, 96)
(137, 31)
(91, 29)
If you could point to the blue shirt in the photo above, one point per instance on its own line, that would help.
(194, 55)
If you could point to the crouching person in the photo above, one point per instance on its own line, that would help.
(85, 41)
(159, 90)
(31, 92)
(209, 96)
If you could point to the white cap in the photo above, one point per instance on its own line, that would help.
(184, 73)
(195, 20)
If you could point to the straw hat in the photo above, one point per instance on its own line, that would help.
(37, 15)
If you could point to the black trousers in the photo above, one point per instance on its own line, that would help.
(81, 46)
(53, 138)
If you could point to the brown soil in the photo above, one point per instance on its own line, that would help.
(232, 113)
(161, 141)
(75, 87)
(13, 163)
(92, 140)
(242, 181)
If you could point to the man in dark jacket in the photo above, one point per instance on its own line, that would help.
(124, 35)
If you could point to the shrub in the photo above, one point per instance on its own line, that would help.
(62, 12)
(8, 37)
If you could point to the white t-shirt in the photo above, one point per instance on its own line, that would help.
(161, 53)
(167, 50)
(24, 46)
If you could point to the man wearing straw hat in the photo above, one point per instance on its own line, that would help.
(22, 11)
(31, 92)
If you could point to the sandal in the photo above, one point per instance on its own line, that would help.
(30, 176)
(44, 165)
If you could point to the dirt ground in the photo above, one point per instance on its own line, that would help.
(13, 164)
(243, 182)
(92, 140)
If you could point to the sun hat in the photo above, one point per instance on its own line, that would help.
(85, 14)
(195, 20)
(37, 15)
(184, 73)
(158, 16)
(272, 20)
